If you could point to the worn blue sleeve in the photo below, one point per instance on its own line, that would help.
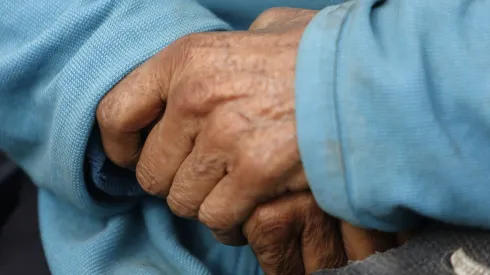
(111, 181)
(59, 58)
(393, 111)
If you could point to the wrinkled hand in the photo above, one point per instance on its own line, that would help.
(227, 141)
(292, 235)
(230, 113)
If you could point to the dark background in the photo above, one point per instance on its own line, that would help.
(20, 247)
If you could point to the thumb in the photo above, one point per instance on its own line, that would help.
(135, 104)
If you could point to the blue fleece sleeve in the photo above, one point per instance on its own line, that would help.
(393, 111)
(59, 58)
(106, 177)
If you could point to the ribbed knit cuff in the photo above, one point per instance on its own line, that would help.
(123, 41)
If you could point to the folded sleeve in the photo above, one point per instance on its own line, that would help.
(58, 59)
(105, 180)
(393, 111)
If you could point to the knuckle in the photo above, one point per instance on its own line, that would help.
(180, 206)
(184, 42)
(282, 16)
(195, 41)
(252, 161)
(147, 179)
(223, 127)
(199, 92)
(105, 113)
(216, 221)
(189, 40)
(269, 227)
(210, 165)
(269, 217)
(181, 47)
(192, 48)
(270, 16)
(272, 13)
(195, 94)
(110, 113)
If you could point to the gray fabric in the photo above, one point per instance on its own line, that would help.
(433, 252)
(465, 265)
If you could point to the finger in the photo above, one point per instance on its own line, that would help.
(223, 216)
(254, 179)
(361, 243)
(132, 105)
(322, 245)
(232, 201)
(294, 223)
(279, 16)
(166, 147)
(203, 168)
(274, 234)
(281, 259)
(196, 177)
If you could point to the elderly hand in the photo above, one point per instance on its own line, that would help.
(230, 114)
(291, 235)
(227, 141)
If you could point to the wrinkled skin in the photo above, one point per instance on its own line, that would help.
(227, 141)
(222, 148)
(291, 235)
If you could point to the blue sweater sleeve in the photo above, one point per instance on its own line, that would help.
(58, 58)
(393, 111)
(108, 181)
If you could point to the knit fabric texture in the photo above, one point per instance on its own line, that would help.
(57, 60)
(440, 249)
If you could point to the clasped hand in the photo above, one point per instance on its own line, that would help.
(218, 112)
(227, 141)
